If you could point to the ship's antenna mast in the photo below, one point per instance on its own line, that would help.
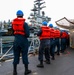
(37, 17)
(38, 3)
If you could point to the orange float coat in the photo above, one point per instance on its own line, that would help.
(18, 26)
(57, 33)
(64, 35)
(45, 33)
(52, 33)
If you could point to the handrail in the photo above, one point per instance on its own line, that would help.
(6, 52)
(32, 45)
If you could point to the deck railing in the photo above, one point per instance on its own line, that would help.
(6, 47)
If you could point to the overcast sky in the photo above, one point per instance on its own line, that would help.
(56, 9)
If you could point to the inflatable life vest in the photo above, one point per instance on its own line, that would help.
(57, 33)
(64, 35)
(18, 26)
(67, 36)
(45, 33)
(52, 33)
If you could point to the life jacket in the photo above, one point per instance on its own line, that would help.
(57, 33)
(64, 35)
(45, 33)
(18, 26)
(67, 36)
(52, 33)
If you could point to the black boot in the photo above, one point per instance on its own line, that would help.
(40, 65)
(47, 61)
(53, 58)
(27, 71)
(58, 53)
(14, 69)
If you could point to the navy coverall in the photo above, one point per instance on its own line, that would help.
(21, 45)
(44, 48)
(57, 44)
(52, 47)
(63, 43)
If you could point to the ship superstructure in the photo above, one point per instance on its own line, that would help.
(36, 18)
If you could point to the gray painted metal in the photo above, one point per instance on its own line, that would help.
(62, 65)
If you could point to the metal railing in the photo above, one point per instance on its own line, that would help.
(34, 45)
(6, 47)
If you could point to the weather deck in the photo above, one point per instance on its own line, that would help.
(62, 65)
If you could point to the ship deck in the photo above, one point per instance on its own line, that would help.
(62, 65)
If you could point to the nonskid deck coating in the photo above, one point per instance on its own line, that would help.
(62, 65)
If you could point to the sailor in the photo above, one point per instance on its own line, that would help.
(21, 44)
(67, 39)
(57, 40)
(44, 36)
(63, 41)
(52, 41)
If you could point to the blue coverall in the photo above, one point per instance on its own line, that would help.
(63, 44)
(57, 44)
(52, 48)
(21, 45)
(42, 49)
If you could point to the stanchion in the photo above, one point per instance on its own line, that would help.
(1, 52)
(34, 45)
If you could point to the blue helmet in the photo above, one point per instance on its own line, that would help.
(44, 23)
(19, 13)
(51, 25)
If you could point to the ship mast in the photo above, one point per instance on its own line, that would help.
(38, 3)
(36, 18)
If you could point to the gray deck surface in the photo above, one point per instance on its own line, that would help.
(62, 65)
